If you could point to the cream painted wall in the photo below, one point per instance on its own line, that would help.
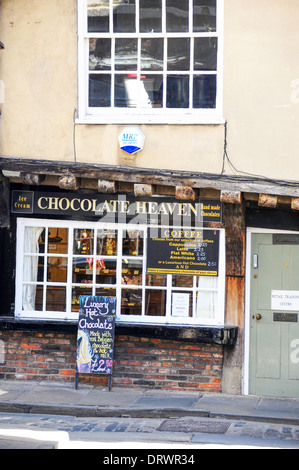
(261, 94)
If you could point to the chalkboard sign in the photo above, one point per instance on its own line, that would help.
(183, 251)
(95, 339)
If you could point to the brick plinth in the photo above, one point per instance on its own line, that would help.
(138, 362)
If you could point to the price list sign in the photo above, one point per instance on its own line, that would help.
(95, 339)
(181, 251)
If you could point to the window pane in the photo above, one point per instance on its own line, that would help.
(150, 16)
(151, 91)
(98, 16)
(133, 242)
(155, 303)
(34, 240)
(83, 241)
(56, 299)
(125, 54)
(178, 54)
(76, 294)
(56, 269)
(106, 242)
(105, 291)
(152, 54)
(100, 54)
(125, 91)
(207, 304)
(33, 269)
(204, 91)
(99, 91)
(177, 16)
(156, 280)
(124, 16)
(82, 270)
(182, 304)
(32, 297)
(58, 240)
(204, 15)
(177, 91)
(182, 281)
(205, 53)
(131, 301)
(105, 271)
(132, 272)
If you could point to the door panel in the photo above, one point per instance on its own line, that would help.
(274, 334)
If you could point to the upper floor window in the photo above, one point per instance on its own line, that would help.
(150, 60)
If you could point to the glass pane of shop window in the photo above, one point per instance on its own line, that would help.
(155, 302)
(182, 281)
(133, 242)
(206, 304)
(32, 297)
(182, 304)
(156, 280)
(131, 272)
(105, 271)
(82, 270)
(76, 294)
(152, 54)
(34, 240)
(56, 299)
(98, 16)
(131, 301)
(56, 269)
(106, 242)
(33, 268)
(105, 292)
(58, 240)
(83, 241)
(178, 54)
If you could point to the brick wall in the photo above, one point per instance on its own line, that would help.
(139, 362)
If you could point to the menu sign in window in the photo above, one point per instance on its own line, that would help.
(181, 251)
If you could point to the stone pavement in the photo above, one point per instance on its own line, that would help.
(47, 397)
(93, 413)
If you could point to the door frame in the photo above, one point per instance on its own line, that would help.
(249, 232)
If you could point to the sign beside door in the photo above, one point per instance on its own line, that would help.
(285, 300)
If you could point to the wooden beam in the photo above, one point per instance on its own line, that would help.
(267, 200)
(68, 182)
(33, 178)
(185, 193)
(231, 197)
(143, 189)
(295, 203)
(107, 187)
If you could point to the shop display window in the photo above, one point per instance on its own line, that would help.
(59, 261)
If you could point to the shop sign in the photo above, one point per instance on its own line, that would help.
(95, 339)
(181, 251)
(120, 208)
(22, 202)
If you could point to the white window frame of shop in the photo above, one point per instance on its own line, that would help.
(206, 320)
(149, 115)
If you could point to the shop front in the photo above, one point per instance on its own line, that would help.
(162, 258)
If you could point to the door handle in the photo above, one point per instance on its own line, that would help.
(258, 316)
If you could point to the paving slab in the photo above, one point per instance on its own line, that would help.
(231, 405)
(277, 408)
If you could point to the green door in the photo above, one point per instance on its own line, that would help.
(274, 315)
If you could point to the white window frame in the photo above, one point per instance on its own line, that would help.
(107, 115)
(168, 319)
